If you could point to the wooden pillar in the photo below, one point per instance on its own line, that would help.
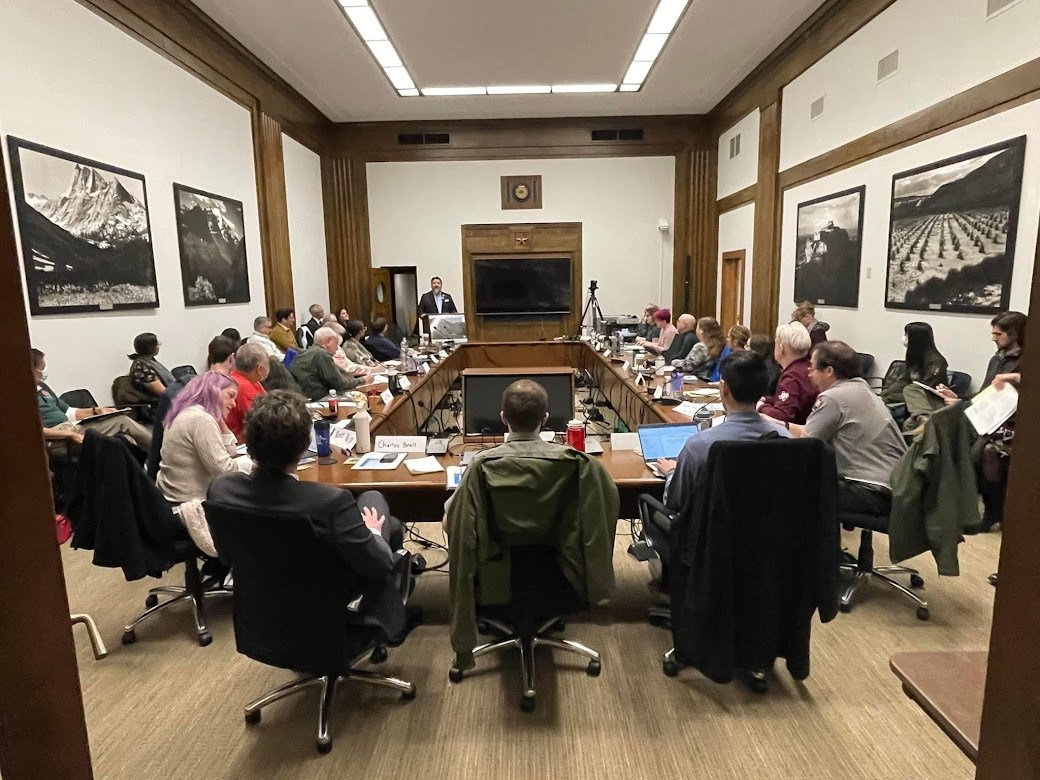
(42, 728)
(345, 187)
(274, 212)
(696, 233)
(1009, 743)
(765, 278)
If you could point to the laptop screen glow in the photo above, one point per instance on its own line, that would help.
(664, 441)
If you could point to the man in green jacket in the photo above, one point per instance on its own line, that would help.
(535, 502)
(316, 371)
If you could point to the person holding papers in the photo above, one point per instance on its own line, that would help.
(62, 423)
(925, 368)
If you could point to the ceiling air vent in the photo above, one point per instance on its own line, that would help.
(420, 139)
(994, 7)
(408, 139)
(436, 138)
(734, 146)
(633, 134)
(816, 109)
(888, 66)
(604, 135)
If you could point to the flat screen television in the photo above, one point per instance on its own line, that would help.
(522, 285)
(482, 397)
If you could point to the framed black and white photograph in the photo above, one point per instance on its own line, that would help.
(211, 237)
(86, 239)
(951, 244)
(829, 249)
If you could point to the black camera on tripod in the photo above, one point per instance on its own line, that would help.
(593, 286)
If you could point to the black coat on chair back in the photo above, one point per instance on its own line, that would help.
(118, 513)
(755, 554)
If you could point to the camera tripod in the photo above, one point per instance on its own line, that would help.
(592, 304)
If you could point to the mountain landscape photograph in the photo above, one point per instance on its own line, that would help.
(211, 236)
(952, 232)
(86, 238)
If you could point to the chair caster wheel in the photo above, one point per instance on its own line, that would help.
(323, 745)
(845, 607)
(151, 600)
(205, 639)
(758, 684)
(559, 626)
(379, 654)
(409, 694)
(252, 718)
(593, 669)
(922, 613)
(129, 637)
(455, 674)
(670, 669)
(916, 581)
(527, 704)
(483, 628)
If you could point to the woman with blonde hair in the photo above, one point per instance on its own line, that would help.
(703, 360)
(737, 338)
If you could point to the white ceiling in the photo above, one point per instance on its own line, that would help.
(312, 46)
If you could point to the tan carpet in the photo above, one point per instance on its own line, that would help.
(165, 707)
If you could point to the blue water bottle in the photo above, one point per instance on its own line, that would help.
(675, 382)
(323, 438)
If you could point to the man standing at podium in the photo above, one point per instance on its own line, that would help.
(436, 301)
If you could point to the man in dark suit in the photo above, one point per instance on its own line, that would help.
(305, 333)
(362, 532)
(435, 301)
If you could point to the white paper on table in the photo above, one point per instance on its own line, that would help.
(992, 408)
(715, 407)
(427, 465)
(625, 441)
(394, 363)
(687, 408)
(343, 438)
(378, 379)
(705, 392)
(374, 461)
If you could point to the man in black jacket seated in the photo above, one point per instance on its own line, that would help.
(378, 344)
(363, 533)
(683, 341)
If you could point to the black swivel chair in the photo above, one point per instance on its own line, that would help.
(541, 594)
(959, 383)
(117, 512)
(895, 370)
(81, 398)
(290, 608)
(866, 363)
(184, 374)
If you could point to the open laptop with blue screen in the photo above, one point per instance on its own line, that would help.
(663, 440)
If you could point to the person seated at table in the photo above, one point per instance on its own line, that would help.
(252, 367)
(316, 371)
(850, 417)
(737, 338)
(234, 335)
(805, 313)
(666, 333)
(744, 378)
(763, 346)
(647, 329)
(62, 423)
(197, 444)
(795, 392)
(283, 334)
(378, 345)
(220, 355)
(355, 350)
(925, 364)
(147, 374)
(703, 358)
(343, 363)
(261, 335)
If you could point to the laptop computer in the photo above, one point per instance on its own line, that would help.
(663, 440)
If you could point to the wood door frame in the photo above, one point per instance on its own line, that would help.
(730, 256)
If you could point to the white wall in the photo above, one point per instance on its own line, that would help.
(945, 47)
(416, 210)
(77, 83)
(742, 170)
(962, 338)
(306, 227)
(736, 231)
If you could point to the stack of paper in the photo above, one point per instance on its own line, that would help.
(992, 408)
(427, 465)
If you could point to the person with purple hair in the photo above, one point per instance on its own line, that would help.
(197, 444)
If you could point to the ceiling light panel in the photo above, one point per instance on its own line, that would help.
(629, 87)
(353, 3)
(399, 78)
(576, 88)
(650, 47)
(636, 72)
(666, 16)
(543, 89)
(385, 54)
(408, 92)
(366, 23)
(453, 91)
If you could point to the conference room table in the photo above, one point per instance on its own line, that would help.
(421, 497)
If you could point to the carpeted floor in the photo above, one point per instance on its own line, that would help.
(165, 707)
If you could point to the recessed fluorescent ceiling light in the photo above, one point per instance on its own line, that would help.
(544, 89)
(399, 78)
(629, 88)
(650, 47)
(666, 15)
(353, 3)
(568, 88)
(450, 91)
(366, 23)
(637, 72)
(408, 92)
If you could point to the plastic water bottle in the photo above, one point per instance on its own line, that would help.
(362, 421)
(333, 403)
(404, 351)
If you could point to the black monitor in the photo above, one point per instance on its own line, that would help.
(482, 397)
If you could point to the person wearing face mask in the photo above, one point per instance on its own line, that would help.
(197, 443)
(63, 424)
(924, 364)
(251, 368)
(261, 336)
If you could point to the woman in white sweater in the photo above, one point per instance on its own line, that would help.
(197, 445)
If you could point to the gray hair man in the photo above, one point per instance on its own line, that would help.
(261, 336)
(315, 369)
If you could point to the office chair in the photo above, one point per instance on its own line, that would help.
(656, 521)
(541, 595)
(80, 399)
(117, 512)
(862, 566)
(959, 383)
(184, 374)
(866, 363)
(895, 370)
(746, 573)
(124, 394)
(290, 608)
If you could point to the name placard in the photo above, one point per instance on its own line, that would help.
(606, 353)
(387, 397)
(659, 392)
(423, 368)
(443, 353)
(624, 368)
(404, 382)
(400, 444)
(435, 359)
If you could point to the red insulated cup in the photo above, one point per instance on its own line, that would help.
(576, 435)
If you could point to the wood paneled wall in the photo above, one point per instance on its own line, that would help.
(345, 188)
(274, 212)
(765, 279)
